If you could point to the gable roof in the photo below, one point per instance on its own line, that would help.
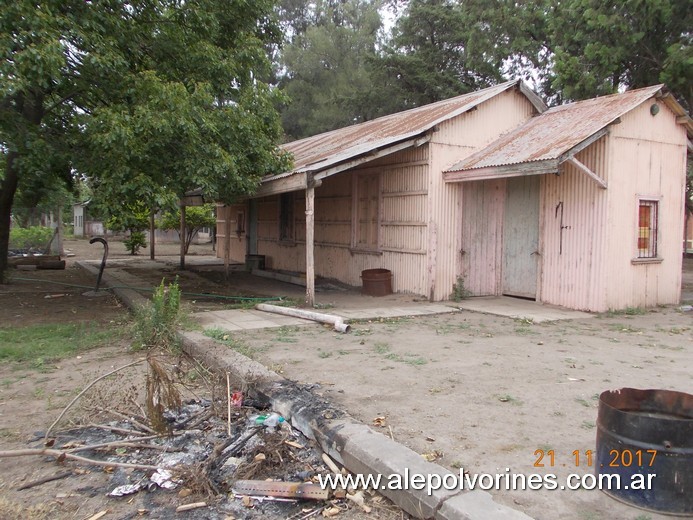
(323, 151)
(545, 141)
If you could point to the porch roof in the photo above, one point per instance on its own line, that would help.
(331, 152)
(544, 142)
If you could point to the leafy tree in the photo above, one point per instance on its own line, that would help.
(601, 47)
(196, 218)
(134, 218)
(327, 76)
(138, 95)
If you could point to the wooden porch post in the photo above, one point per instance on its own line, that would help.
(182, 237)
(152, 232)
(310, 244)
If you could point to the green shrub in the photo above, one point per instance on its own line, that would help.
(459, 291)
(156, 323)
(135, 241)
(35, 237)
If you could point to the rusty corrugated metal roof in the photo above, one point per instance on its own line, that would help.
(556, 131)
(321, 151)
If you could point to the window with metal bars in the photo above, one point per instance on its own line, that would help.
(647, 228)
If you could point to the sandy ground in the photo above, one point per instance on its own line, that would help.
(32, 396)
(484, 392)
(487, 392)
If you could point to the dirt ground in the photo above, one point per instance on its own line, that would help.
(31, 398)
(483, 392)
(487, 392)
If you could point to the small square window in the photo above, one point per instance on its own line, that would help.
(648, 220)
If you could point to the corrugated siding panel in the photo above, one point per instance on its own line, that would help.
(482, 231)
(649, 160)
(572, 262)
(403, 229)
(455, 140)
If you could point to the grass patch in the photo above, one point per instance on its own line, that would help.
(224, 337)
(37, 345)
(628, 311)
(410, 359)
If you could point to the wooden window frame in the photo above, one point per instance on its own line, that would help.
(286, 218)
(240, 222)
(647, 238)
(355, 246)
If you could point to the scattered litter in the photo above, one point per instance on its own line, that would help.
(188, 507)
(237, 399)
(162, 478)
(98, 515)
(432, 456)
(127, 489)
(357, 498)
(50, 296)
(380, 421)
(686, 308)
(294, 490)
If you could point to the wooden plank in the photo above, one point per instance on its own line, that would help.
(310, 245)
(31, 260)
(584, 169)
(498, 172)
(582, 145)
(294, 182)
(371, 156)
(182, 238)
(432, 252)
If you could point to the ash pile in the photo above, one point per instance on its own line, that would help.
(217, 455)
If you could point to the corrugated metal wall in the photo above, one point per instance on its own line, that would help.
(643, 156)
(403, 210)
(482, 231)
(649, 161)
(572, 261)
(455, 140)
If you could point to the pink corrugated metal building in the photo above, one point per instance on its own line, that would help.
(580, 205)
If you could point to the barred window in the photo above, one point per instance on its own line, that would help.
(647, 228)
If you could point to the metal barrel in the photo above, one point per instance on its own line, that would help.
(645, 437)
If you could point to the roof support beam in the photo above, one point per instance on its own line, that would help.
(375, 154)
(500, 172)
(584, 169)
(584, 144)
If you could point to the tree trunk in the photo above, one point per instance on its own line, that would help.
(8, 187)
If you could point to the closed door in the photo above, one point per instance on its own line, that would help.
(521, 237)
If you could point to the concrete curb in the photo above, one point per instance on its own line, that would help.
(351, 443)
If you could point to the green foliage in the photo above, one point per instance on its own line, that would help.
(226, 338)
(459, 292)
(601, 47)
(196, 218)
(40, 344)
(128, 217)
(141, 98)
(35, 237)
(134, 242)
(329, 78)
(157, 322)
